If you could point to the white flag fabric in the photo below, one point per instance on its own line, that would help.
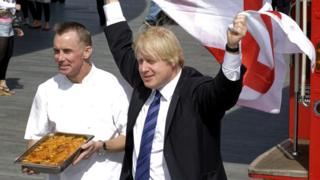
(270, 35)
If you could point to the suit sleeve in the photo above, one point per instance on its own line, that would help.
(215, 96)
(119, 37)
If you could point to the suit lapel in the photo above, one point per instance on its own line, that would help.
(138, 99)
(174, 102)
(171, 110)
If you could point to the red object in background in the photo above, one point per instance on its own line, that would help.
(305, 166)
(314, 151)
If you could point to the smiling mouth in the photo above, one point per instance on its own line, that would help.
(147, 78)
(63, 67)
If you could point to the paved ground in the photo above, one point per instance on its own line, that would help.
(246, 132)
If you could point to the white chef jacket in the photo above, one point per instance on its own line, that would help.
(98, 106)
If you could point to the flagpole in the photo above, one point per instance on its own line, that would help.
(303, 67)
(296, 88)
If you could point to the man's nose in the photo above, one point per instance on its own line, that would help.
(60, 56)
(143, 67)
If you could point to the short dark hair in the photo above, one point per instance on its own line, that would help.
(83, 33)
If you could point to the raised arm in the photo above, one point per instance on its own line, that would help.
(120, 39)
(223, 92)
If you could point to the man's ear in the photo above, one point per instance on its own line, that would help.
(87, 52)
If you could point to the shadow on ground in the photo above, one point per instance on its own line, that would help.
(13, 83)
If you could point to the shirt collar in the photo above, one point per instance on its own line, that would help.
(89, 75)
(168, 89)
(86, 78)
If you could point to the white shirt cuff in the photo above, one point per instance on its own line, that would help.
(231, 66)
(113, 13)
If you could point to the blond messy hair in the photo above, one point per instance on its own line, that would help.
(159, 42)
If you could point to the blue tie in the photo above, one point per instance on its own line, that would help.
(143, 162)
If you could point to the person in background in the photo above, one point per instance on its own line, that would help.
(9, 24)
(157, 17)
(174, 118)
(81, 99)
(154, 14)
(45, 6)
(26, 7)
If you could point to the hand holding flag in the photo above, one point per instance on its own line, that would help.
(236, 31)
(270, 35)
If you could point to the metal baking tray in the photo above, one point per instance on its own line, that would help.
(51, 169)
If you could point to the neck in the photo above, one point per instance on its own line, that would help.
(173, 75)
(176, 72)
(84, 71)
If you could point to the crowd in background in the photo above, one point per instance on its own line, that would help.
(14, 15)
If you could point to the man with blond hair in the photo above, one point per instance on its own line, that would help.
(174, 117)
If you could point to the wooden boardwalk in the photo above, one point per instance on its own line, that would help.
(246, 133)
